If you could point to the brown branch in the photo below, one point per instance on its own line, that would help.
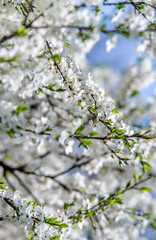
(22, 170)
(10, 203)
(128, 3)
(11, 35)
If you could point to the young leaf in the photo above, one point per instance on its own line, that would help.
(51, 87)
(79, 129)
(85, 143)
(20, 108)
(21, 31)
(93, 134)
(114, 111)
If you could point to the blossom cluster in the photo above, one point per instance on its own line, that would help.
(73, 137)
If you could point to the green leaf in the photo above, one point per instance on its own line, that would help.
(89, 214)
(63, 225)
(102, 27)
(42, 55)
(138, 155)
(53, 222)
(55, 238)
(56, 58)
(11, 132)
(119, 5)
(84, 36)
(136, 134)
(93, 134)
(145, 166)
(119, 192)
(21, 31)
(139, 6)
(67, 45)
(13, 59)
(91, 108)
(134, 93)
(153, 223)
(148, 137)
(48, 129)
(135, 176)
(1, 183)
(126, 143)
(85, 143)
(79, 129)
(60, 90)
(97, 9)
(144, 189)
(1, 187)
(117, 130)
(50, 87)
(152, 25)
(128, 185)
(91, 27)
(67, 205)
(114, 111)
(118, 200)
(39, 90)
(20, 108)
(147, 132)
(131, 215)
(77, 218)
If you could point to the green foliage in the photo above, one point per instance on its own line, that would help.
(39, 90)
(1, 183)
(56, 58)
(55, 238)
(139, 7)
(114, 111)
(91, 27)
(54, 223)
(84, 36)
(121, 28)
(102, 27)
(10, 60)
(143, 189)
(135, 177)
(134, 93)
(79, 129)
(89, 214)
(11, 132)
(51, 88)
(20, 108)
(146, 167)
(138, 155)
(118, 131)
(48, 129)
(21, 31)
(153, 224)
(67, 205)
(67, 45)
(60, 90)
(119, 6)
(91, 134)
(76, 218)
(151, 26)
(92, 109)
(128, 184)
(85, 143)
